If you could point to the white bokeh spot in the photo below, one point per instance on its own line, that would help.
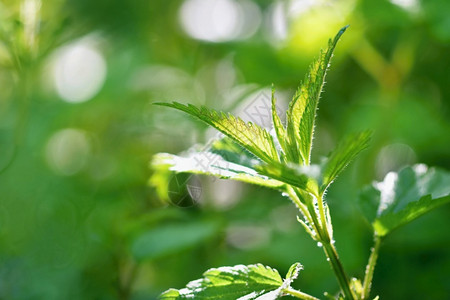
(79, 71)
(219, 20)
(67, 151)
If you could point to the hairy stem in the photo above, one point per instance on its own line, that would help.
(319, 224)
(299, 295)
(338, 268)
(371, 268)
(326, 234)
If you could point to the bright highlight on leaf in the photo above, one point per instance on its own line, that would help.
(404, 196)
(205, 163)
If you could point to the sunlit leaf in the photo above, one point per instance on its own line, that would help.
(404, 196)
(251, 136)
(344, 153)
(302, 109)
(231, 283)
(206, 163)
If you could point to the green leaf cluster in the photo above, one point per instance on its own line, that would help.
(267, 165)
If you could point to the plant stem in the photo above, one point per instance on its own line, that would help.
(323, 220)
(371, 267)
(299, 295)
(338, 268)
(319, 223)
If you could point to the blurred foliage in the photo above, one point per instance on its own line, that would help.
(77, 217)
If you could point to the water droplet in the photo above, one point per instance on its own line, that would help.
(285, 194)
(328, 259)
(319, 244)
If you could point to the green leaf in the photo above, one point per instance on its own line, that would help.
(251, 136)
(302, 109)
(344, 153)
(206, 163)
(404, 196)
(172, 238)
(231, 283)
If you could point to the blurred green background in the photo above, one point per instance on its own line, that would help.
(78, 219)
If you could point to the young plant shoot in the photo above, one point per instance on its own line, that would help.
(282, 161)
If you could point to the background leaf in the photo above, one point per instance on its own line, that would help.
(172, 238)
(231, 283)
(404, 196)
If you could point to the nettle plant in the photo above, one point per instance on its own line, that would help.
(282, 161)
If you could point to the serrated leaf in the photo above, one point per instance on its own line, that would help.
(344, 153)
(302, 109)
(404, 196)
(251, 136)
(231, 283)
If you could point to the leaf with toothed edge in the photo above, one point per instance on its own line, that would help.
(231, 283)
(249, 135)
(302, 109)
